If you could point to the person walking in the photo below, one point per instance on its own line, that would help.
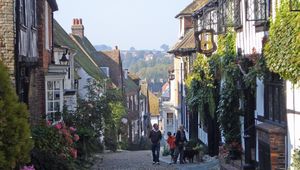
(155, 136)
(179, 142)
(171, 142)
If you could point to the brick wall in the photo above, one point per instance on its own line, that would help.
(37, 106)
(7, 35)
(274, 136)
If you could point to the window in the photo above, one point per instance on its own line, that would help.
(274, 101)
(22, 13)
(105, 70)
(33, 13)
(256, 10)
(54, 100)
(169, 119)
(47, 39)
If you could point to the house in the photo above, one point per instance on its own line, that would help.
(80, 68)
(184, 51)
(132, 100)
(28, 50)
(270, 115)
(144, 116)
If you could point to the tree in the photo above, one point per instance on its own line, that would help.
(132, 49)
(165, 47)
(15, 142)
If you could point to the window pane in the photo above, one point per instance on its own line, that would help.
(56, 85)
(50, 106)
(56, 106)
(49, 85)
(56, 95)
(50, 95)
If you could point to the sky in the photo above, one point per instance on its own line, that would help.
(143, 24)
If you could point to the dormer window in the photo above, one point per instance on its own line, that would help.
(105, 70)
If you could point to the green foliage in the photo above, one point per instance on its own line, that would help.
(155, 68)
(296, 159)
(165, 151)
(97, 114)
(282, 50)
(53, 148)
(201, 87)
(228, 104)
(15, 142)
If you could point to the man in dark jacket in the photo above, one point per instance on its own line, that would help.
(155, 136)
(180, 140)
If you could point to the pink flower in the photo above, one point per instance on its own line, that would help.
(58, 126)
(72, 129)
(28, 168)
(73, 153)
(49, 123)
(76, 137)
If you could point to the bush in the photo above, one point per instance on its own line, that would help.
(15, 142)
(54, 147)
(165, 151)
(296, 159)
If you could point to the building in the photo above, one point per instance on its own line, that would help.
(27, 51)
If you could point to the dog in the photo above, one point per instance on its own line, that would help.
(189, 155)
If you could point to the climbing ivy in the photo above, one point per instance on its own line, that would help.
(200, 85)
(282, 49)
(228, 111)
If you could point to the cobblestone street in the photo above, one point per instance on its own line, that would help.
(141, 160)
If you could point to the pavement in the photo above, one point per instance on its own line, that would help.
(210, 165)
(142, 160)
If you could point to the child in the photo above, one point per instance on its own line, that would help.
(171, 143)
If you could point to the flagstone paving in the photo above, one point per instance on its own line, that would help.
(141, 160)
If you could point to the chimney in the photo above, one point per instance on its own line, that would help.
(77, 27)
(126, 74)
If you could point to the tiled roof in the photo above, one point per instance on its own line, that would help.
(187, 43)
(130, 86)
(81, 58)
(192, 7)
(112, 59)
(153, 104)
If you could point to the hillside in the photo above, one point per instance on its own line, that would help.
(151, 65)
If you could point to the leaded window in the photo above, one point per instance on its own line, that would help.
(230, 13)
(275, 101)
(256, 10)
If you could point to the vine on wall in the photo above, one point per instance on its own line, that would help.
(282, 50)
(228, 111)
(204, 83)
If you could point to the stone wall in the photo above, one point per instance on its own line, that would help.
(7, 36)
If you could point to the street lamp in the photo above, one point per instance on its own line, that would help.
(64, 60)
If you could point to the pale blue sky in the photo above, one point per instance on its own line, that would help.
(144, 24)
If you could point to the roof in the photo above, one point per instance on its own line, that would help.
(130, 86)
(53, 5)
(144, 89)
(186, 44)
(81, 57)
(192, 7)
(112, 59)
(153, 104)
(165, 90)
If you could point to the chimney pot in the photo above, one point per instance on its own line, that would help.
(74, 21)
(116, 47)
(80, 21)
(77, 27)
